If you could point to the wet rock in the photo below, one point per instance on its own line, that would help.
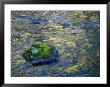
(66, 33)
(40, 54)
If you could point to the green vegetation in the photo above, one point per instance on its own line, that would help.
(42, 50)
(75, 35)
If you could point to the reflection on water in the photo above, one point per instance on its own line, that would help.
(75, 35)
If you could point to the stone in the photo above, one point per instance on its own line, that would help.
(42, 53)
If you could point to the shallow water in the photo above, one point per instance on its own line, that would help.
(77, 40)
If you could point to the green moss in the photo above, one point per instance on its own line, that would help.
(42, 50)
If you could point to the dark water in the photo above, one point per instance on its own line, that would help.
(77, 40)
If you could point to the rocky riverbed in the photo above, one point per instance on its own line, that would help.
(74, 34)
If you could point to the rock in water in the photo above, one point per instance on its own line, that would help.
(42, 53)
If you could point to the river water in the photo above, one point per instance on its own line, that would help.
(76, 37)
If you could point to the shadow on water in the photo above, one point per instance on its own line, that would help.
(45, 63)
(53, 60)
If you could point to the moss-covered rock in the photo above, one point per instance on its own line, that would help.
(39, 53)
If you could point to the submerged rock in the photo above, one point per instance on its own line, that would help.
(42, 53)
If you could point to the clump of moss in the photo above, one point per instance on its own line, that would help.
(42, 50)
